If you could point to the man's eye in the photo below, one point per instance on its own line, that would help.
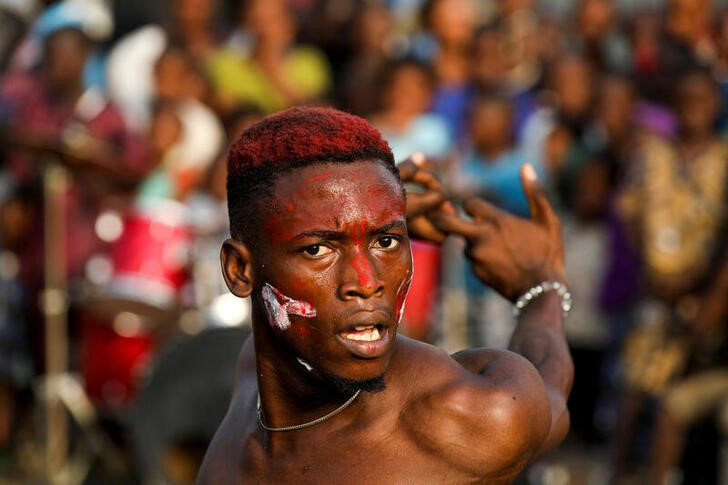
(387, 242)
(316, 250)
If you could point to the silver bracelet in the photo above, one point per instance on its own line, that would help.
(540, 289)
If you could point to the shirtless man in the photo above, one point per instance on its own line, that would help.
(320, 225)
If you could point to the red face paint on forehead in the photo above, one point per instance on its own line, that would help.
(321, 176)
(353, 198)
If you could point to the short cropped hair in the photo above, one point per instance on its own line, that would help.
(291, 139)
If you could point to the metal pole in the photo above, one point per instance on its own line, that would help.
(54, 303)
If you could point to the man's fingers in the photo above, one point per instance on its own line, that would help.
(448, 208)
(410, 172)
(418, 158)
(428, 179)
(538, 202)
(453, 224)
(420, 203)
(481, 210)
(407, 170)
(409, 167)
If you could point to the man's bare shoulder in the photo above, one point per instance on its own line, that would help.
(486, 411)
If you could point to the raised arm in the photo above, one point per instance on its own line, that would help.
(512, 255)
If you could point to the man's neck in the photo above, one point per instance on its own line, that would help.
(288, 394)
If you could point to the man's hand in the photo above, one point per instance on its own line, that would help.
(422, 206)
(508, 253)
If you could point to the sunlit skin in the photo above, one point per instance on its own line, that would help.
(336, 237)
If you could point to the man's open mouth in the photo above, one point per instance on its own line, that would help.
(368, 341)
(363, 333)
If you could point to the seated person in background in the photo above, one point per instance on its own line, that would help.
(490, 167)
(275, 73)
(320, 229)
(374, 42)
(450, 25)
(406, 96)
(50, 114)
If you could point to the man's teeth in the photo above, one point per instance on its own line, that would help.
(365, 333)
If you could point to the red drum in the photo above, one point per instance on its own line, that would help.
(112, 364)
(150, 264)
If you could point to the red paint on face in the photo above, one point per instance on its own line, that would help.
(322, 176)
(347, 209)
(302, 330)
(360, 261)
(277, 230)
(294, 307)
(298, 286)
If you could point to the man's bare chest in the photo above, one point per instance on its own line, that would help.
(353, 460)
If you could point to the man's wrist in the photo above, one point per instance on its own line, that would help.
(538, 291)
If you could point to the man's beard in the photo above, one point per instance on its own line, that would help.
(347, 387)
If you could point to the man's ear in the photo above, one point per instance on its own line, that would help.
(237, 267)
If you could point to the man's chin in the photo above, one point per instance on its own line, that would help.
(345, 386)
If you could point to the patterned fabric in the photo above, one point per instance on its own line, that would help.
(679, 207)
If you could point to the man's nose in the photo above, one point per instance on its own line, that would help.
(360, 278)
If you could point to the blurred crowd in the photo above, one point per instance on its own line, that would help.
(114, 120)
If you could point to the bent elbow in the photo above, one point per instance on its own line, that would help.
(560, 424)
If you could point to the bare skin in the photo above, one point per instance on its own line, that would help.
(336, 236)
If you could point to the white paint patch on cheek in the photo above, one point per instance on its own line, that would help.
(279, 306)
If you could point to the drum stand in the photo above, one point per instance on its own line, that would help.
(59, 391)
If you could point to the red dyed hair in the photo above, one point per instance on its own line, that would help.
(295, 138)
(300, 135)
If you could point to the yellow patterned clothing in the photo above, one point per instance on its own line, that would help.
(237, 79)
(678, 207)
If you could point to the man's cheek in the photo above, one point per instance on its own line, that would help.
(279, 306)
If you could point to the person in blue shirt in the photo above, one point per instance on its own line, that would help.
(491, 162)
(489, 168)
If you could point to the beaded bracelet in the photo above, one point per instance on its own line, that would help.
(540, 289)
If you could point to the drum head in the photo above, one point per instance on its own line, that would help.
(186, 395)
(109, 308)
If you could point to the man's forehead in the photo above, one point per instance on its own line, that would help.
(334, 176)
(336, 197)
(339, 181)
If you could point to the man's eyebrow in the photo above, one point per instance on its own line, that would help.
(339, 235)
(321, 234)
(398, 224)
